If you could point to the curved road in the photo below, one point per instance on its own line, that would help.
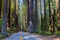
(25, 36)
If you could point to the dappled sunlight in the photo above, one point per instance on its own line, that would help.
(56, 39)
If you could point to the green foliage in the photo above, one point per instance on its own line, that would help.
(12, 5)
(0, 24)
(1, 36)
(40, 25)
(58, 33)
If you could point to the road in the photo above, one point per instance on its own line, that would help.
(23, 36)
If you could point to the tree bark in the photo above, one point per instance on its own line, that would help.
(49, 12)
(52, 22)
(30, 15)
(15, 15)
(30, 11)
(0, 7)
(35, 14)
(59, 9)
(58, 13)
(5, 18)
(45, 14)
(9, 12)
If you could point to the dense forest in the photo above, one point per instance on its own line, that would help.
(35, 16)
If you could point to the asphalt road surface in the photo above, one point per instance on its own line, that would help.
(23, 36)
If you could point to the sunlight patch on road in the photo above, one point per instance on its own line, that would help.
(28, 36)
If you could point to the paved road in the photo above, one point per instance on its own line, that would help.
(25, 36)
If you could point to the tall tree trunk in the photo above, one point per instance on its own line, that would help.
(59, 9)
(15, 16)
(30, 10)
(44, 14)
(9, 12)
(35, 14)
(30, 15)
(57, 4)
(0, 7)
(50, 17)
(49, 12)
(5, 18)
(52, 22)
(58, 12)
(54, 17)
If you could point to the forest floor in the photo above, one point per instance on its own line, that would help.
(50, 37)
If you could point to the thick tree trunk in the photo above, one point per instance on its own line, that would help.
(52, 22)
(30, 11)
(9, 13)
(35, 14)
(58, 14)
(54, 18)
(15, 16)
(5, 18)
(49, 12)
(0, 7)
(30, 16)
(45, 14)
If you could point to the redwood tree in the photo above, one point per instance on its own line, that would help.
(30, 16)
(45, 14)
(15, 16)
(0, 7)
(35, 15)
(5, 17)
(9, 12)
